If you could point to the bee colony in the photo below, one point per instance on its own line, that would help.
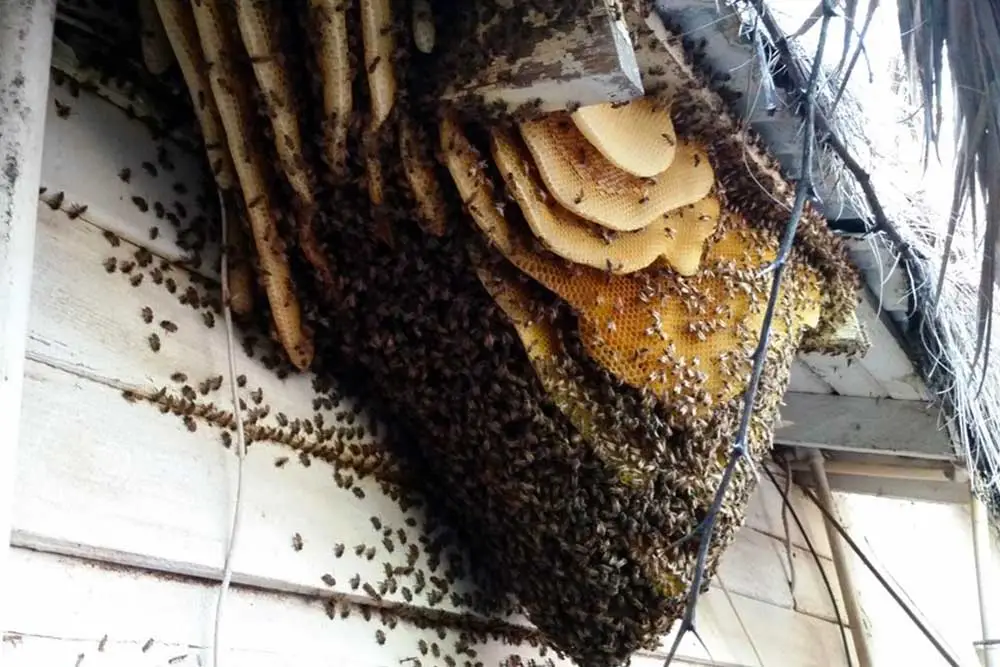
(530, 322)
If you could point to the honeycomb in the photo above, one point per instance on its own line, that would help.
(637, 137)
(687, 340)
(678, 236)
(586, 183)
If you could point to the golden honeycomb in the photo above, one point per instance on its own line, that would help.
(585, 182)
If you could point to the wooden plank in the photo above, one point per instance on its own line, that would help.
(805, 380)
(100, 478)
(84, 155)
(25, 49)
(587, 62)
(846, 375)
(67, 606)
(887, 362)
(260, 627)
(886, 426)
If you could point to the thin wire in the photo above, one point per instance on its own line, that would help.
(802, 191)
(787, 504)
(241, 443)
(835, 522)
(785, 507)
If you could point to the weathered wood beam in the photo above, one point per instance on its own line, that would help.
(864, 425)
(587, 61)
(25, 52)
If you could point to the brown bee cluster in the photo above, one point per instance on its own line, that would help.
(559, 327)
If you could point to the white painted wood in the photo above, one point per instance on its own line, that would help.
(886, 361)
(865, 425)
(804, 380)
(70, 605)
(74, 604)
(588, 62)
(846, 375)
(100, 478)
(25, 50)
(110, 142)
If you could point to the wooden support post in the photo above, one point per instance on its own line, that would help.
(589, 61)
(844, 575)
(982, 543)
(25, 53)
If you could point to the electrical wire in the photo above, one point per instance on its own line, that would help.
(241, 445)
(803, 190)
(787, 505)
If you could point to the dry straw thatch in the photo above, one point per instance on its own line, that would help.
(938, 107)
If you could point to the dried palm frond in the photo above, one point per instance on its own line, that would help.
(968, 32)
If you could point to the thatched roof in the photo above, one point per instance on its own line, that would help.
(895, 131)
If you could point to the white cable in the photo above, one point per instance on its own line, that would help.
(241, 446)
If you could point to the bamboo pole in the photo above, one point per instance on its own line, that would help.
(986, 587)
(844, 574)
(25, 56)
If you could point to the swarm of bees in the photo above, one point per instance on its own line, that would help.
(557, 316)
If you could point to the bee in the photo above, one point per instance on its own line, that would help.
(380, 637)
(227, 439)
(297, 542)
(171, 285)
(376, 523)
(110, 264)
(125, 174)
(209, 319)
(329, 580)
(190, 423)
(241, 381)
(154, 233)
(148, 645)
(62, 110)
(147, 315)
(159, 209)
(154, 342)
(355, 581)
(55, 201)
(75, 211)
(338, 550)
(150, 168)
(358, 492)
(168, 326)
(140, 203)
(102, 644)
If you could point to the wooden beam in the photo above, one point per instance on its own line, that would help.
(587, 61)
(866, 425)
(25, 51)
